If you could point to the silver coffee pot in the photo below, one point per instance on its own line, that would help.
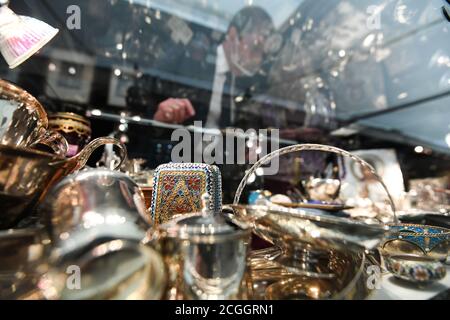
(205, 255)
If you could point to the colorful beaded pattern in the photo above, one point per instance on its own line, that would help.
(178, 188)
(425, 237)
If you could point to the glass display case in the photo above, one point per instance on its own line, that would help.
(231, 82)
(355, 73)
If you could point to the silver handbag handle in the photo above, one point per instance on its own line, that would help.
(311, 147)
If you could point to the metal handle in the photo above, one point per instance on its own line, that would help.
(87, 151)
(53, 140)
(310, 147)
(79, 161)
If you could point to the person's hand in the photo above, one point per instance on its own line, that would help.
(174, 111)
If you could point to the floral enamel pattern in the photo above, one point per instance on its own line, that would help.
(418, 271)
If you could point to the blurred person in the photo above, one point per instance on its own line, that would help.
(238, 59)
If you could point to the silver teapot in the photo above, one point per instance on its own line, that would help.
(96, 220)
(94, 205)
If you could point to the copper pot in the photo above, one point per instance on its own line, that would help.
(27, 174)
(24, 122)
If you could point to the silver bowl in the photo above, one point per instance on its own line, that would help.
(306, 235)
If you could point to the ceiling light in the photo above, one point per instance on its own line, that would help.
(418, 149)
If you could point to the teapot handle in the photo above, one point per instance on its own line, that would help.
(54, 141)
(82, 157)
(79, 161)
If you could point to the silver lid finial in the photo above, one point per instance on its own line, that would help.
(206, 199)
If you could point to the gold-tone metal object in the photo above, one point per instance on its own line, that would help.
(27, 174)
(75, 128)
(21, 252)
(274, 282)
(117, 269)
(205, 256)
(24, 122)
(147, 191)
(69, 122)
(318, 189)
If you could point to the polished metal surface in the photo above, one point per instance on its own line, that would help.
(143, 177)
(116, 269)
(24, 122)
(27, 174)
(20, 247)
(94, 204)
(282, 226)
(75, 128)
(306, 235)
(68, 122)
(272, 281)
(402, 247)
(21, 252)
(205, 255)
(23, 119)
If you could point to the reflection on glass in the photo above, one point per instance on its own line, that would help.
(306, 67)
